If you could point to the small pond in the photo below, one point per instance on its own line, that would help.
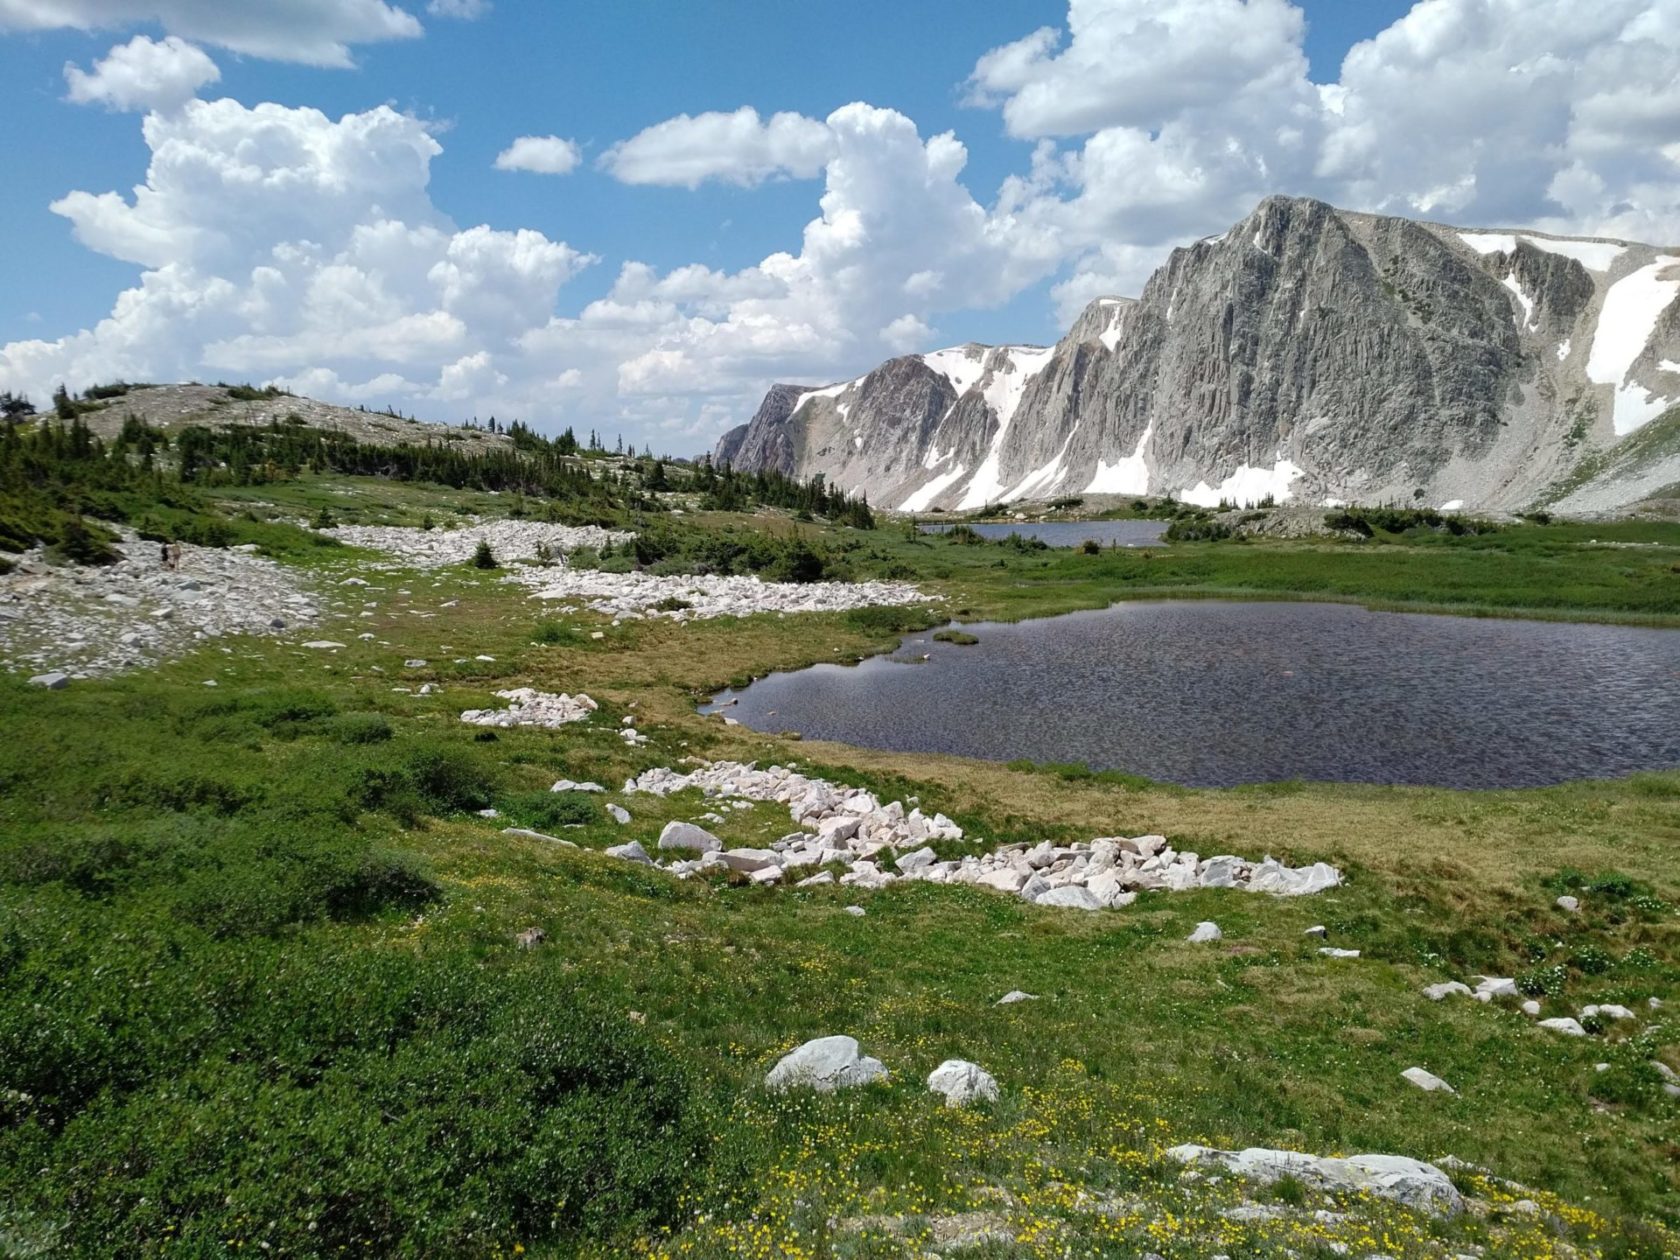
(1211, 694)
(1128, 533)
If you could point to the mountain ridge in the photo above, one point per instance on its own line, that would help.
(1308, 353)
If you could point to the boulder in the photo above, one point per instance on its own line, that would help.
(919, 860)
(1008, 880)
(54, 681)
(962, 1082)
(1408, 1181)
(1069, 897)
(1447, 988)
(1330, 951)
(619, 814)
(685, 835)
(749, 860)
(1495, 987)
(1569, 905)
(821, 877)
(856, 912)
(1205, 932)
(632, 852)
(825, 1065)
(1563, 1024)
(1607, 1011)
(1427, 1081)
(1014, 996)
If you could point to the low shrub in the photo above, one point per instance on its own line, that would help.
(544, 811)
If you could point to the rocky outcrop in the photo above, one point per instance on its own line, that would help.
(881, 844)
(1309, 353)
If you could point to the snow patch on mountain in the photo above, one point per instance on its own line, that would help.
(923, 499)
(1129, 475)
(1247, 486)
(1625, 325)
(1593, 255)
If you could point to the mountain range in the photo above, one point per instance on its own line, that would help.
(1309, 355)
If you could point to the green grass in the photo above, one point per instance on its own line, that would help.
(259, 979)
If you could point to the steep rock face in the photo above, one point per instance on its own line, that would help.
(1307, 353)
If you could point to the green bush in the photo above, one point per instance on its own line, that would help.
(544, 811)
(385, 1104)
(553, 632)
(448, 778)
(361, 728)
(483, 557)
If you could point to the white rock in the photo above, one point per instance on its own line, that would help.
(856, 912)
(919, 860)
(685, 835)
(54, 681)
(323, 644)
(962, 1082)
(618, 814)
(1607, 1011)
(1565, 1025)
(1014, 996)
(1205, 931)
(748, 860)
(1409, 1181)
(1069, 897)
(1320, 931)
(1330, 951)
(1427, 1081)
(821, 877)
(825, 1065)
(1496, 986)
(632, 852)
(1569, 905)
(1530, 1007)
(1447, 988)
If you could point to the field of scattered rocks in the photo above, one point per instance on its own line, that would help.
(439, 837)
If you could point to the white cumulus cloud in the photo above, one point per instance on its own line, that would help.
(315, 32)
(143, 74)
(736, 148)
(545, 155)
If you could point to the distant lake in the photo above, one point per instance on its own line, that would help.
(1212, 694)
(1071, 533)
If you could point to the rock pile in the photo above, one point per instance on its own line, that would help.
(509, 540)
(530, 707)
(88, 621)
(634, 596)
(852, 827)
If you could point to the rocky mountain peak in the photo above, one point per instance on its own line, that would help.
(1307, 353)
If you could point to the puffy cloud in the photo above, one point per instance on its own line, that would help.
(544, 155)
(143, 74)
(1186, 112)
(737, 148)
(316, 32)
(1130, 63)
(283, 244)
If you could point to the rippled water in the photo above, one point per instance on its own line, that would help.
(1214, 694)
(1072, 533)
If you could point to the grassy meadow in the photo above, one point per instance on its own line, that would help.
(260, 991)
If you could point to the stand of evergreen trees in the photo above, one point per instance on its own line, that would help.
(725, 490)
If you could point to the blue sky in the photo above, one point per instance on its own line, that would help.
(1140, 145)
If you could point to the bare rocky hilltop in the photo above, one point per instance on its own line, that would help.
(174, 407)
(1308, 354)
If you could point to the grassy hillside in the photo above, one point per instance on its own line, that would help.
(260, 987)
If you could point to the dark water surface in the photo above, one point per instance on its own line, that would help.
(1213, 694)
(1127, 533)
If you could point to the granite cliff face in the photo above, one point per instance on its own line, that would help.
(1310, 354)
